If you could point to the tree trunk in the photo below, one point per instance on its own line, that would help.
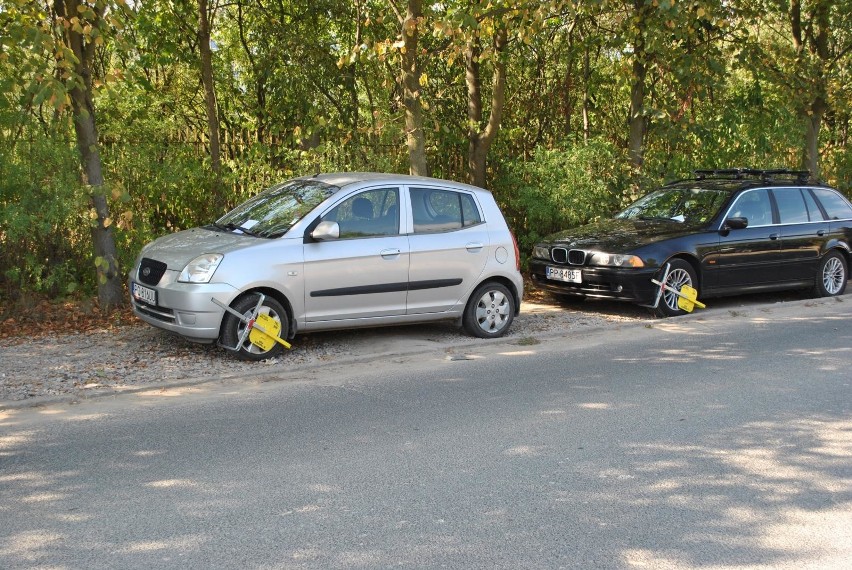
(480, 140)
(210, 98)
(636, 120)
(260, 77)
(110, 292)
(813, 123)
(587, 74)
(350, 79)
(415, 135)
(815, 109)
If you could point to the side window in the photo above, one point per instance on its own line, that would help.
(753, 205)
(813, 209)
(470, 213)
(368, 214)
(835, 205)
(442, 210)
(791, 205)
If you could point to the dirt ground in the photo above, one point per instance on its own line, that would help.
(80, 355)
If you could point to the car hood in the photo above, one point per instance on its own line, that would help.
(178, 249)
(620, 236)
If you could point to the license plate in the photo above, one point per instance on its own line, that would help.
(144, 294)
(563, 274)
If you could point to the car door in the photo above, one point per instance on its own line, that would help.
(803, 233)
(364, 273)
(449, 244)
(749, 256)
(839, 214)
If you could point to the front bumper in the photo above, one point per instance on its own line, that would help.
(186, 309)
(632, 285)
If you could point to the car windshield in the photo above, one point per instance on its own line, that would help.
(274, 211)
(678, 204)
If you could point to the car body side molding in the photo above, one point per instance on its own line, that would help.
(387, 288)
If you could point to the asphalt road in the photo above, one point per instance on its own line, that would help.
(720, 441)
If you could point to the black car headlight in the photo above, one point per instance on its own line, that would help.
(615, 260)
(541, 252)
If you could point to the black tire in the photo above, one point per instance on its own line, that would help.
(680, 273)
(489, 311)
(832, 275)
(232, 327)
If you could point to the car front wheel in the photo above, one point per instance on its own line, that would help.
(680, 273)
(489, 311)
(832, 275)
(232, 327)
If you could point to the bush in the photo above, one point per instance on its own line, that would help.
(44, 232)
(560, 188)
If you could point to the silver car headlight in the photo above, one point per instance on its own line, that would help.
(541, 252)
(201, 269)
(615, 260)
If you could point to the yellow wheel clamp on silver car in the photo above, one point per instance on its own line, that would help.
(261, 330)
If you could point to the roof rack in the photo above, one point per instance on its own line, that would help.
(740, 173)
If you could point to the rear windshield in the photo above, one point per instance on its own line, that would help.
(274, 211)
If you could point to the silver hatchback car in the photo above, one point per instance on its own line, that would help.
(334, 251)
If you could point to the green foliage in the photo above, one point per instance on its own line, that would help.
(749, 126)
(838, 166)
(44, 232)
(560, 188)
(304, 87)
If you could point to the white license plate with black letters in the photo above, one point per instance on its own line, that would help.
(564, 274)
(144, 294)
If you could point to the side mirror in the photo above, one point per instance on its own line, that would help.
(736, 223)
(326, 231)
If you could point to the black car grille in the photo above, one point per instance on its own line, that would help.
(576, 256)
(570, 256)
(159, 313)
(151, 271)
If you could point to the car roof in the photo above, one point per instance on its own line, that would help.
(735, 179)
(342, 179)
(714, 184)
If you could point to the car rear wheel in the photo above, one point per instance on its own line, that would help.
(232, 327)
(680, 273)
(831, 276)
(489, 311)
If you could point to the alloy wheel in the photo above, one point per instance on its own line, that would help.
(833, 276)
(677, 278)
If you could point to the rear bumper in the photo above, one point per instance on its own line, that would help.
(633, 285)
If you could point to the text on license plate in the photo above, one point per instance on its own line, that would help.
(144, 294)
(563, 274)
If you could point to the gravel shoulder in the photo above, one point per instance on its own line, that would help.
(77, 366)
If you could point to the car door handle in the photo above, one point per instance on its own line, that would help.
(474, 246)
(773, 236)
(821, 233)
(388, 253)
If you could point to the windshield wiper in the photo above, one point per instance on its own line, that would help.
(234, 227)
(655, 219)
(275, 231)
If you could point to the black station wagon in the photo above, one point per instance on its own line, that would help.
(724, 232)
